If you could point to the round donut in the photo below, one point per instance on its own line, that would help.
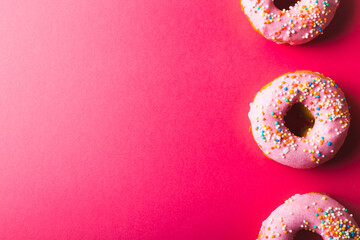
(324, 100)
(298, 25)
(314, 212)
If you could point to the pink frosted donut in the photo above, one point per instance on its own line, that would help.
(298, 25)
(327, 105)
(313, 212)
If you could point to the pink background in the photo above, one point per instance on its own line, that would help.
(128, 119)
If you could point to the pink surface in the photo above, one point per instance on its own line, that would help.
(128, 119)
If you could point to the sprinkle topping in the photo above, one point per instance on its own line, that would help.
(324, 101)
(326, 217)
(299, 24)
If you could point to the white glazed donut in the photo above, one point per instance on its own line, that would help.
(298, 25)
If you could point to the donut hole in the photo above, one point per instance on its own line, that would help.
(285, 4)
(299, 120)
(307, 235)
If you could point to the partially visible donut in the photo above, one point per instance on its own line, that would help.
(298, 25)
(325, 101)
(314, 212)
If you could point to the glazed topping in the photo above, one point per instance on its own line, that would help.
(332, 222)
(299, 24)
(320, 96)
(332, 225)
(306, 16)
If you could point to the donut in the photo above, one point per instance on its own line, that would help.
(321, 97)
(298, 25)
(314, 212)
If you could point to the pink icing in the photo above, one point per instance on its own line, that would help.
(298, 25)
(314, 212)
(325, 101)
